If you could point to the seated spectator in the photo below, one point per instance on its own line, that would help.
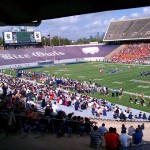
(104, 112)
(48, 105)
(54, 107)
(137, 137)
(98, 112)
(77, 104)
(103, 130)
(123, 127)
(140, 115)
(95, 138)
(130, 116)
(125, 140)
(149, 118)
(112, 140)
(93, 110)
(122, 116)
(131, 130)
(144, 116)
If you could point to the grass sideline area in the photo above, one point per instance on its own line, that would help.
(114, 76)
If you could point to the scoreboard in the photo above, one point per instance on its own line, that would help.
(21, 38)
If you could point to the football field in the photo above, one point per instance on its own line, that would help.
(114, 76)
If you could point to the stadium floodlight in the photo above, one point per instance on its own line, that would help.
(49, 39)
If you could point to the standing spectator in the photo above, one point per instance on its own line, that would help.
(140, 129)
(113, 93)
(125, 140)
(95, 138)
(142, 126)
(103, 130)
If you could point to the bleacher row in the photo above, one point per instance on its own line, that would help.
(128, 29)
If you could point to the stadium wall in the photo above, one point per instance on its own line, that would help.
(31, 56)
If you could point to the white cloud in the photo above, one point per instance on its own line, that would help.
(107, 21)
(93, 23)
(122, 18)
(146, 10)
(63, 21)
(135, 15)
(63, 28)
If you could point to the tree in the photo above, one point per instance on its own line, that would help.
(65, 41)
(1, 41)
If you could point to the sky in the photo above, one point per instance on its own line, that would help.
(80, 26)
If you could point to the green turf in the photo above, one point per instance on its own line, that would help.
(124, 78)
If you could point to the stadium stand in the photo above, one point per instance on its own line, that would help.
(128, 30)
(132, 52)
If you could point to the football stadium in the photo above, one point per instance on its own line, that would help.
(70, 90)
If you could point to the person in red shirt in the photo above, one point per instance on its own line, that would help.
(111, 139)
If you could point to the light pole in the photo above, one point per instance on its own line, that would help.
(49, 40)
(59, 41)
(45, 49)
(54, 54)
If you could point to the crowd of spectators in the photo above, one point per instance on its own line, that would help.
(114, 140)
(18, 111)
(132, 52)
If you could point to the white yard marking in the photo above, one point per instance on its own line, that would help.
(116, 82)
(81, 76)
(68, 74)
(98, 79)
(143, 86)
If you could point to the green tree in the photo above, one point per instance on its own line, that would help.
(55, 41)
(1, 41)
(65, 41)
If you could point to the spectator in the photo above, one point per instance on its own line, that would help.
(140, 129)
(130, 116)
(103, 130)
(149, 118)
(137, 137)
(142, 126)
(123, 127)
(131, 130)
(125, 140)
(144, 116)
(122, 116)
(54, 107)
(95, 138)
(104, 112)
(112, 140)
(77, 103)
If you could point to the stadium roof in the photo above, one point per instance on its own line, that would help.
(30, 13)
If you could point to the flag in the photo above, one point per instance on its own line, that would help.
(48, 34)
